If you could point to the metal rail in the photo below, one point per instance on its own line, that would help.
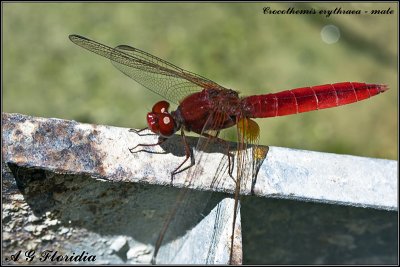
(73, 149)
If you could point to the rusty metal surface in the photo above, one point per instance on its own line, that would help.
(117, 222)
(73, 187)
(100, 151)
(64, 146)
(73, 183)
(39, 214)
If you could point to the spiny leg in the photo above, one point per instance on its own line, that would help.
(138, 131)
(160, 141)
(187, 154)
(226, 144)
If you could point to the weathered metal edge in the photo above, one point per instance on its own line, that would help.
(64, 146)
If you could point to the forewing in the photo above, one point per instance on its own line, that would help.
(156, 74)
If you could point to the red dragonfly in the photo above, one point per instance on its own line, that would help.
(206, 107)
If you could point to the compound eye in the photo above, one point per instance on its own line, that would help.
(161, 107)
(166, 125)
(152, 122)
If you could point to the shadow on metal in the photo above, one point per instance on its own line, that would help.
(278, 231)
(118, 208)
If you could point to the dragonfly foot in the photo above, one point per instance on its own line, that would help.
(132, 149)
(139, 132)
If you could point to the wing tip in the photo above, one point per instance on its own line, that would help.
(75, 37)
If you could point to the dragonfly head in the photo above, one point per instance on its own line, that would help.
(160, 121)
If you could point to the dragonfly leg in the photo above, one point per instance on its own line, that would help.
(188, 155)
(138, 132)
(161, 140)
(230, 163)
(226, 144)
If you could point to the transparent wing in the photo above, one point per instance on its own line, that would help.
(247, 163)
(249, 155)
(192, 205)
(195, 206)
(156, 74)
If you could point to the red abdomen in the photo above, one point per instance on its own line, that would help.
(308, 99)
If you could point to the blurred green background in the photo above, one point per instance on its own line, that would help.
(234, 44)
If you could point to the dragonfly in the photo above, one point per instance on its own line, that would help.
(206, 108)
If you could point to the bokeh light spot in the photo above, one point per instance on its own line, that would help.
(330, 34)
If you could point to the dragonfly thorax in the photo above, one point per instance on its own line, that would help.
(160, 121)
